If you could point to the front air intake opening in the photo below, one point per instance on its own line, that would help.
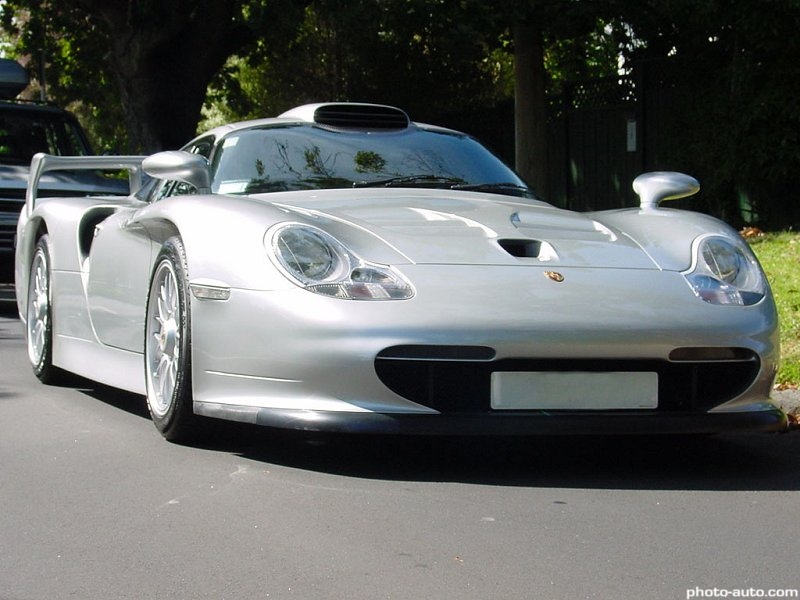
(464, 386)
(361, 116)
(521, 248)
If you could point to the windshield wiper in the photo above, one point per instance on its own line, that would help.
(488, 187)
(453, 183)
(439, 180)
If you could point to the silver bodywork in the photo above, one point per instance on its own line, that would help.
(606, 287)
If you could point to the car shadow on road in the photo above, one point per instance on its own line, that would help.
(742, 462)
(133, 404)
(724, 462)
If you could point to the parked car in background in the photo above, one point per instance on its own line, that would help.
(27, 128)
(343, 268)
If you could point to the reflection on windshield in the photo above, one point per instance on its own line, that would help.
(302, 157)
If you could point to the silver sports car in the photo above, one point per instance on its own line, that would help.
(342, 268)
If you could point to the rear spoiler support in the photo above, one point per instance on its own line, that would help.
(42, 163)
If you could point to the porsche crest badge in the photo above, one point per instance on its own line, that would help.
(554, 276)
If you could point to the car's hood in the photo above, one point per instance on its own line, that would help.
(14, 181)
(447, 227)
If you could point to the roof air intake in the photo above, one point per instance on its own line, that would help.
(360, 116)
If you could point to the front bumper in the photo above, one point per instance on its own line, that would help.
(288, 358)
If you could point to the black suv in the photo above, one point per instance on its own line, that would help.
(27, 128)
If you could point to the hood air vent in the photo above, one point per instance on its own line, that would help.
(360, 116)
(521, 248)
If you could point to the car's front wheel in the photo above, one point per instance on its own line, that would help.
(167, 346)
(39, 315)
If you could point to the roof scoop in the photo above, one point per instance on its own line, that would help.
(351, 115)
(657, 186)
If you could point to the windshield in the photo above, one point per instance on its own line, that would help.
(23, 134)
(301, 157)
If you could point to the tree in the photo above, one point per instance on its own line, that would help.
(421, 55)
(530, 107)
(160, 55)
(736, 113)
(140, 70)
(442, 61)
(549, 37)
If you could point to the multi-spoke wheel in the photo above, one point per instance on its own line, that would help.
(167, 347)
(39, 315)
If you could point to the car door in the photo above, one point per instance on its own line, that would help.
(120, 263)
(118, 273)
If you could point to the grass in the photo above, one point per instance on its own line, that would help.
(779, 254)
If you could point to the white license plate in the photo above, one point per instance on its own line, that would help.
(617, 390)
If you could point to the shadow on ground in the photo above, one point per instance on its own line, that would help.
(724, 463)
(739, 462)
(749, 462)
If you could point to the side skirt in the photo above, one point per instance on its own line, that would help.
(109, 366)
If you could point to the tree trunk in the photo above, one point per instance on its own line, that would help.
(530, 114)
(164, 57)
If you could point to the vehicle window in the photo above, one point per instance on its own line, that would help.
(182, 189)
(158, 189)
(149, 189)
(202, 146)
(23, 134)
(299, 157)
(154, 189)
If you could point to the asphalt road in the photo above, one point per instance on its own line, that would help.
(95, 505)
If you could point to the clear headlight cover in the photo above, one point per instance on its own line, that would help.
(726, 272)
(318, 262)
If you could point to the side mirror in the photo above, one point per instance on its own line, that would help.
(653, 188)
(180, 166)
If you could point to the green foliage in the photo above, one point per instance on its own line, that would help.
(424, 56)
(139, 69)
(369, 162)
(737, 123)
(779, 255)
(76, 75)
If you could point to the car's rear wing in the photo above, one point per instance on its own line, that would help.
(43, 163)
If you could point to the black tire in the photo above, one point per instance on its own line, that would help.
(39, 315)
(167, 347)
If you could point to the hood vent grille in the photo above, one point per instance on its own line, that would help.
(361, 116)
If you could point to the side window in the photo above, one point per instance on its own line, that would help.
(202, 146)
(162, 190)
(182, 189)
(173, 188)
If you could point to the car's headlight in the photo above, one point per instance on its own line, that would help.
(318, 262)
(725, 271)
